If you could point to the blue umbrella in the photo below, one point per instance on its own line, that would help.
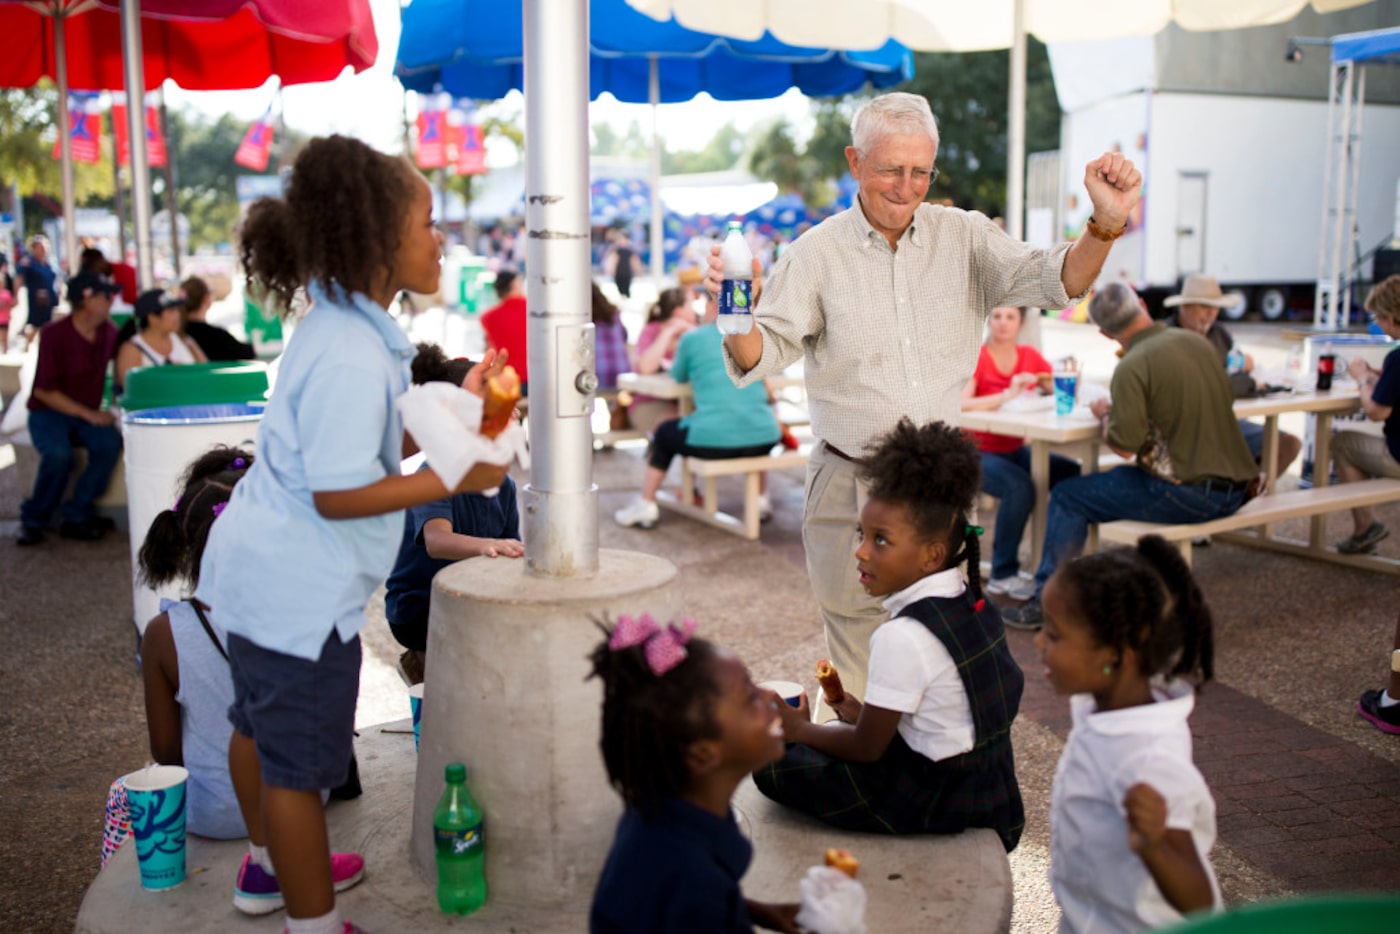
(473, 48)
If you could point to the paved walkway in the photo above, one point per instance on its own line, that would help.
(1307, 791)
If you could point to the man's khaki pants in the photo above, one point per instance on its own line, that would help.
(849, 615)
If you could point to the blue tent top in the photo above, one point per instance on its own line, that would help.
(1380, 45)
(473, 48)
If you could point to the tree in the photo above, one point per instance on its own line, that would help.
(28, 130)
(720, 154)
(206, 174)
(810, 168)
(968, 93)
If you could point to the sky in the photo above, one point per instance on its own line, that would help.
(370, 105)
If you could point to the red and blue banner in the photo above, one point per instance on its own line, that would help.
(84, 126)
(155, 139)
(256, 147)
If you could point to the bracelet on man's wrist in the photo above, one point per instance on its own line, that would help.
(1099, 232)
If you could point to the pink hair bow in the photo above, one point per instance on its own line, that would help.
(664, 648)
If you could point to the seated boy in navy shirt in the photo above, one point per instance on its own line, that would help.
(437, 534)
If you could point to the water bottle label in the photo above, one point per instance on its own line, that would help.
(734, 296)
(458, 842)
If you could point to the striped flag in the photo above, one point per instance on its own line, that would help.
(84, 127)
(155, 140)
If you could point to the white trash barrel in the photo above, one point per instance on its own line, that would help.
(159, 445)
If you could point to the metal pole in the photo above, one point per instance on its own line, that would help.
(561, 500)
(1016, 128)
(658, 255)
(118, 198)
(65, 142)
(134, 71)
(172, 197)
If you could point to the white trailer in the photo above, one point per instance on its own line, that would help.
(1233, 179)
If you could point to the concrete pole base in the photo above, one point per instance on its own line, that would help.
(505, 693)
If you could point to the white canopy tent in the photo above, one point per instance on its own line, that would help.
(959, 26)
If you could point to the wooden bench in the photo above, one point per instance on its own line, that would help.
(1264, 510)
(695, 468)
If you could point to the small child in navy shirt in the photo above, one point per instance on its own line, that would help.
(683, 725)
(464, 525)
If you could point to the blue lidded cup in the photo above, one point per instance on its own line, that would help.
(789, 691)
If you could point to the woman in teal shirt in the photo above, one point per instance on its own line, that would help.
(727, 422)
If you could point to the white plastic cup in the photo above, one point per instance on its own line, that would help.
(789, 691)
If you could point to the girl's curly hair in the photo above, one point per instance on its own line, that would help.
(650, 720)
(934, 471)
(339, 223)
(1145, 599)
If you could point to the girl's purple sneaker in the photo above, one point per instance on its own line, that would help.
(257, 892)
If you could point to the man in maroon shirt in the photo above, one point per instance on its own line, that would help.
(65, 411)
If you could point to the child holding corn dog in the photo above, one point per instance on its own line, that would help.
(929, 751)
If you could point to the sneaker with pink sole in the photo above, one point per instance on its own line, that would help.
(257, 893)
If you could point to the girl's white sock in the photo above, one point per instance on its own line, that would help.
(259, 854)
(1387, 700)
(326, 924)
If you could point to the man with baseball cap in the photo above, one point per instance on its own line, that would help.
(1197, 308)
(65, 411)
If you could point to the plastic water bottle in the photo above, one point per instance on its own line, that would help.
(736, 291)
(461, 850)
(1234, 360)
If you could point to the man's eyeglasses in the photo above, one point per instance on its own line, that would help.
(919, 176)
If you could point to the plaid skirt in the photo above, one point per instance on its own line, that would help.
(902, 792)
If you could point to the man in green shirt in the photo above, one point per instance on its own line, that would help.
(1172, 413)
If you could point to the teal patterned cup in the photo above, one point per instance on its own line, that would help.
(415, 705)
(156, 795)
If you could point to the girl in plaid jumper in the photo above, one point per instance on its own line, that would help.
(929, 748)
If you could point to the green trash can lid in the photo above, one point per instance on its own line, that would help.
(1353, 914)
(195, 384)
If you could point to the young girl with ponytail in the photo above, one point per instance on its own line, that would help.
(929, 750)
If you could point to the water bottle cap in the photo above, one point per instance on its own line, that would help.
(456, 772)
(733, 225)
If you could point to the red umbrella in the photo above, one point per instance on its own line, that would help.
(226, 45)
(221, 45)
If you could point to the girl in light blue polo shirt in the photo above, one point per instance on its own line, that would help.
(314, 527)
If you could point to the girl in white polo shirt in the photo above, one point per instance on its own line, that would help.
(1131, 819)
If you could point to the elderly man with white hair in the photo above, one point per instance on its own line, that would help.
(1172, 412)
(885, 303)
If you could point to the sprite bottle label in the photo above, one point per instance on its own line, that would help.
(458, 842)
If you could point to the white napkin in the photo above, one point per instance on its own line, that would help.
(832, 902)
(445, 421)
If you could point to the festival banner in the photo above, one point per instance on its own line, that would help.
(256, 147)
(155, 139)
(432, 139)
(85, 127)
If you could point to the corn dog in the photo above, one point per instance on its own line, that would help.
(498, 406)
(830, 682)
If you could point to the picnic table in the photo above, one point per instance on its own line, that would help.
(1034, 420)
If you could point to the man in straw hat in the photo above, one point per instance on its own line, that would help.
(1171, 412)
(1197, 308)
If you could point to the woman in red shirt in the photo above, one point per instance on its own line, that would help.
(1005, 369)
